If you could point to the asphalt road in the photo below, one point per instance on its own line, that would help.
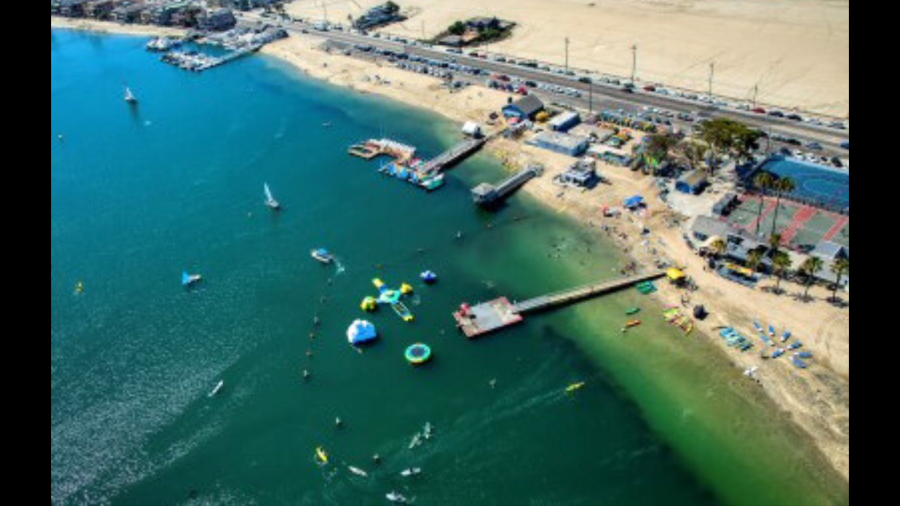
(605, 96)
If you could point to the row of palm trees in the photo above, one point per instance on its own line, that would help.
(767, 182)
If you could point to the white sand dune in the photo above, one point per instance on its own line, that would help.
(796, 51)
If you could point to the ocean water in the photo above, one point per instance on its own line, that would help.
(139, 195)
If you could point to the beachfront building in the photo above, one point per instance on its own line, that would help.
(99, 9)
(220, 20)
(831, 252)
(693, 183)
(69, 8)
(583, 174)
(164, 14)
(611, 156)
(128, 12)
(380, 15)
(726, 205)
(565, 122)
(524, 109)
(563, 144)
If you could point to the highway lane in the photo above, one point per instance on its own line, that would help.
(606, 95)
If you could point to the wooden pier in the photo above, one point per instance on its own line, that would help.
(487, 195)
(452, 157)
(483, 319)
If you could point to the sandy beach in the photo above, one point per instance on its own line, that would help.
(796, 51)
(818, 401)
(89, 25)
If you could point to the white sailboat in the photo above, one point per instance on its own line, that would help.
(271, 203)
(130, 97)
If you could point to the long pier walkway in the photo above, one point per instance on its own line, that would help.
(452, 156)
(501, 313)
(567, 297)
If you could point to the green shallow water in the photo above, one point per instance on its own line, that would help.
(138, 196)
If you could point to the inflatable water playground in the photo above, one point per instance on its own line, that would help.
(361, 333)
(390, 297)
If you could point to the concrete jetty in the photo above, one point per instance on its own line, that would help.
(488, 195)
(483, 319)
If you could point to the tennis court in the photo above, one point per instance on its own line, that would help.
(800, 225)
(818, 185)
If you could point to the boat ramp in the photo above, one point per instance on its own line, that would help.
(483, 319)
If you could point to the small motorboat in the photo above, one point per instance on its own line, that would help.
(759, 328)
(190, 280)
(271, 202)
(79, 288)
(772, 332)
(805, 355)
(323, 256)
(397, 498)
(786, 336)
(412, 472)
(217, 390)
(358, 472)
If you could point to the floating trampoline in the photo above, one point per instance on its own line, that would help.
(418, 354)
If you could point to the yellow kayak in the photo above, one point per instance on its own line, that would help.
(574, 388)
(321, 456)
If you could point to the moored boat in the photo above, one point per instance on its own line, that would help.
(323, 256)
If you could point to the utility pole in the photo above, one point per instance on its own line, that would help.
(712, 77)
(634, 50)
(568, 42)
(755, 95)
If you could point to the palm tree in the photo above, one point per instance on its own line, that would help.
(782, 263)
(775, 243)
(754, 260)
(763, 181)
(784, 186)
(719, 247)
(810, 268)
(840, 267)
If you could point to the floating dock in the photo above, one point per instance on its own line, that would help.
(488, 195)
(483, 319)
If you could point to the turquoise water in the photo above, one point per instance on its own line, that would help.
(138, 196)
